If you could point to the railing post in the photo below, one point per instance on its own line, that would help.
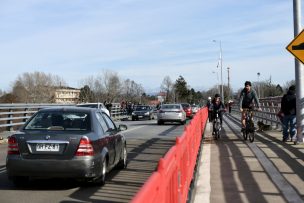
(25, 114)
(10, 121)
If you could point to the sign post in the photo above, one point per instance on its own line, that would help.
(296, 47)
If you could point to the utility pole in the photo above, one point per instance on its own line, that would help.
(228, 83)
(221, 63)
(299, 72)
(259, 93)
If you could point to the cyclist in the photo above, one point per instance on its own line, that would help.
(216, 105)
(246, 100)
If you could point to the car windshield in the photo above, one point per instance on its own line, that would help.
(170, 106)
(141, 108)
(67, 121)
(186, 105)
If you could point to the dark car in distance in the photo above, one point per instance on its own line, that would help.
(66, 142)
(142, 112)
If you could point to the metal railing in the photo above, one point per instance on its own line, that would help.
(270, 108)
(13, 116)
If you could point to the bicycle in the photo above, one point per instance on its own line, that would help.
(217, 125)
(249, 130)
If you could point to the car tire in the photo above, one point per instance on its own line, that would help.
(19, 181)
(122, 164)
(133, 119)
(103, 173)
(159, 122)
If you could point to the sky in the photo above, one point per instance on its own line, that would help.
(146, 40)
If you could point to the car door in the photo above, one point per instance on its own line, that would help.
(107, 137)
(115, 136)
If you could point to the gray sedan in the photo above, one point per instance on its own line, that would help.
(171, 113)
(66, 142)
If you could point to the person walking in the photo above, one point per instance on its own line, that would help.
(288, 112)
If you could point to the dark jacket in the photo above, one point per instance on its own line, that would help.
(246, 98)
(214, 106)
(288, 103)
(208, 104)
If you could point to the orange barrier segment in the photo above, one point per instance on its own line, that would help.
(171, 181)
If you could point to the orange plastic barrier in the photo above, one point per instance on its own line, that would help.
(171, 181)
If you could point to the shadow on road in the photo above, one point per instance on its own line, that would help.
(242, 177)
(121, 186)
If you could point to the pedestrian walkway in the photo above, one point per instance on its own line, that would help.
(234, 170)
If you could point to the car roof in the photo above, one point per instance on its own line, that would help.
(69, 108)
(170, 104)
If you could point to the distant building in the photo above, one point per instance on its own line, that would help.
(161, 97)
(66, 95)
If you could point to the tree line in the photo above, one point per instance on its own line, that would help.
(39, 87)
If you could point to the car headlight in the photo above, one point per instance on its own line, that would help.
(133, 113)
(147, 114)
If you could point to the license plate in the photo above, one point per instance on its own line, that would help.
(47, 147)
(140, 116)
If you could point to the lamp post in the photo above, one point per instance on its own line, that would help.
(259, 95)
(228, 71)
(217, 79)
(221, 64)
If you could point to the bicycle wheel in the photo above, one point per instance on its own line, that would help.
(251, 132)
(218, 126)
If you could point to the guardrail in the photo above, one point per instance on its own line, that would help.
(270, 107)
(171, 181)
(14, 115)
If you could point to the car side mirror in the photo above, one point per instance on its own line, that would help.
(122, 127)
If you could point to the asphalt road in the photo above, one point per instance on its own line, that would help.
(147, 142)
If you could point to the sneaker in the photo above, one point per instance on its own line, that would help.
(284, 139)
(213, 133)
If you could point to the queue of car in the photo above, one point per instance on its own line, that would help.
(80, 142)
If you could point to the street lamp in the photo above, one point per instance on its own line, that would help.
(221, 63)
(217, 79)
(259, 84)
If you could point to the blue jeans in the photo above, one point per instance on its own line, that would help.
(289, 126)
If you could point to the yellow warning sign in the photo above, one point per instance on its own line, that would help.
(296, 46)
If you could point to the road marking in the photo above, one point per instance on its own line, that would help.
(133, 129)
(283, 185)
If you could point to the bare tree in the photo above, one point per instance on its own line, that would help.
(36, 87)
(112, 85)
(107, 86)
(95, 84)
(167, 86)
